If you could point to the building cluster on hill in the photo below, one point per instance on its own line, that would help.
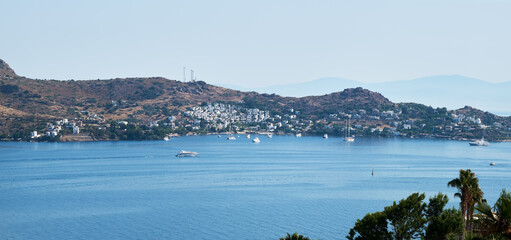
(219, 115)
(54, 128)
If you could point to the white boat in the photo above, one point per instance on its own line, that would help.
(256, 140)
(248, 135)
(270, 135)
(298, 135)
(348, 138)
(166, 138)
(184, 153)
(480, 142)
(492, 164)
(325, 136)
(231, 138)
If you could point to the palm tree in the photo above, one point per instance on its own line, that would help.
(469, 192)
(295, 236)
(496, 222)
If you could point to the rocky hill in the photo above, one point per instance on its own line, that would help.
(6, 71)
(148, 99)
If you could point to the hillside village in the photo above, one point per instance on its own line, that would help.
(220, 118)
(152, 108)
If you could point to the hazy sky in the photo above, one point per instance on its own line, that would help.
(257, 43)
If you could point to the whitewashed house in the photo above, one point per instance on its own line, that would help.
(76, 130)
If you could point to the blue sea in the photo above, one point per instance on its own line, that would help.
(233, 190)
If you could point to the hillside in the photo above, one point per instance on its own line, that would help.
(30, 104)
(6, 71)
(147, 99)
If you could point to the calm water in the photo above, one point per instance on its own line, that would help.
(234, 190)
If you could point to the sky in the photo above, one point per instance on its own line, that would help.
(257, 43)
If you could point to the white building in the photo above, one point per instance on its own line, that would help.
(34, 134)
(76, 130)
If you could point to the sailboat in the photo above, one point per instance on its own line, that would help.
(348, 138)
(231, 136)
(325, 136)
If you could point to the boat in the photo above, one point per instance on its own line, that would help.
(492, 164)
(270, 135)
(184, 153)
(248, 135)
(231, 138)
(298, 135)
(480, 142)
(348, 138)
(219, 136)
(166, 138)
(325, 136)
(256, 140)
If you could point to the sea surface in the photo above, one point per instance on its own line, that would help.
(233, 190)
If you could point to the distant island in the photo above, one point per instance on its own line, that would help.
(152, 108)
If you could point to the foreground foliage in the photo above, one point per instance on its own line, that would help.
(295, 236)
(410, 218)
(496, 222)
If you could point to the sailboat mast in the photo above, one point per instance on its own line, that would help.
(349, 118)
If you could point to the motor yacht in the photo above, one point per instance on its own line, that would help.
(184, 153)
(480, 142)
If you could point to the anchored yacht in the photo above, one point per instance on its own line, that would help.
(184, 153)
(480, 142)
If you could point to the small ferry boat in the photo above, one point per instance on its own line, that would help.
(184, 153)
(256, 140)
(231, 138)
(480, 142)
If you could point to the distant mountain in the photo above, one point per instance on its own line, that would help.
(316, 87)
(451, 91)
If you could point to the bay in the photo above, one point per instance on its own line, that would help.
(233, 190)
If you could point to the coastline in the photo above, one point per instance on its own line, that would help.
(86, 137)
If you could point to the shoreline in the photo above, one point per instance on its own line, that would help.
(89, 138)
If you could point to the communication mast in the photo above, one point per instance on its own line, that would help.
(191, 76)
